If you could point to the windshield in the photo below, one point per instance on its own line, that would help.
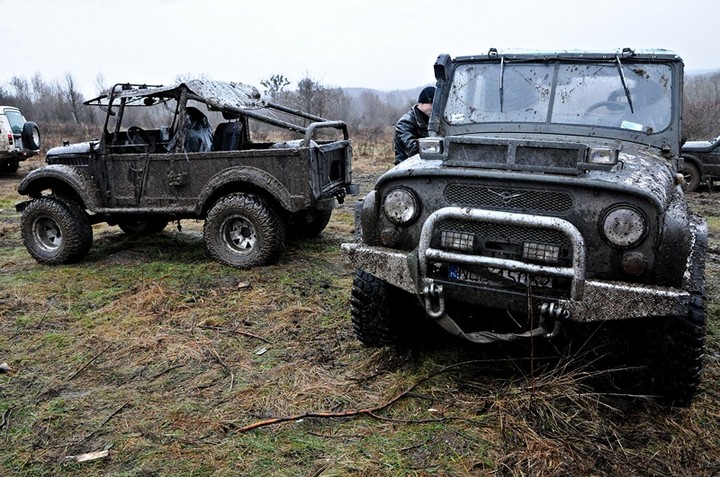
(616, 95)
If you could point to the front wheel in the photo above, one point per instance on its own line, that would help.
(314, 224)
(9, 167)
(675, 349)
(242, 231)
(383, 314)
(56, 232)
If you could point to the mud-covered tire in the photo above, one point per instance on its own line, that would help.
(691, 173)
(56, 232)
(674, 352)
(242, 231)
(31, 136)
(140, 227)
(9, 166)
(384, 315)
(316, 224)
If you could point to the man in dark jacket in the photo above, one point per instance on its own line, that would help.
(413, 125)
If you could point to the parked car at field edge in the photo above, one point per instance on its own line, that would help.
(19, 139)
(701, 162)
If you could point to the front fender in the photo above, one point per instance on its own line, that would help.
(61, 178)
(248, 175)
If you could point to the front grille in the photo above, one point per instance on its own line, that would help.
(68, 160)
(508, 198)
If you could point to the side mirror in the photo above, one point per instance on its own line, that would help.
(442, 66)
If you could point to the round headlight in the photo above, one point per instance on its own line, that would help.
(624, 226)
(401, 206)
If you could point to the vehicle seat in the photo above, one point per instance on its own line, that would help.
(227, 136)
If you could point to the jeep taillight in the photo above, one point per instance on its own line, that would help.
(10, 139)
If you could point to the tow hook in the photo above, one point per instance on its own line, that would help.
(434, 300)
(554, 314)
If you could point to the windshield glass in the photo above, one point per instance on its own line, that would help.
(616, 95)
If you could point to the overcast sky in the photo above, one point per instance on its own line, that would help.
(380, 44)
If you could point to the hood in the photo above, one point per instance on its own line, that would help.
(78, 148)
(640, 170)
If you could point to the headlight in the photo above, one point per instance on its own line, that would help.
(623, 226)
(401, 206)
(602, 156)
(430, 145)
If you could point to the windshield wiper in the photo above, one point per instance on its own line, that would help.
(622, 79)
(502, 78)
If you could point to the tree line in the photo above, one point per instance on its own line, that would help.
(55, 103)
(59, 102)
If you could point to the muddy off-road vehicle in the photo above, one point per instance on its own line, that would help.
(548, 188)
(160, 158)
(19, 139)
(701, 163)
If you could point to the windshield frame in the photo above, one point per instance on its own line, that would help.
(667, 136)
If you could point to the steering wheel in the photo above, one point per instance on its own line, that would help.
(613, 106)
(137, 135)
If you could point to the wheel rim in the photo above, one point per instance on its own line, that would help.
(240, 235)
(47, 234)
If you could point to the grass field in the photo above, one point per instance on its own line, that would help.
(151, 351)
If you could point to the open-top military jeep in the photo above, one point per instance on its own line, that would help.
(161, 158)
(548, 187)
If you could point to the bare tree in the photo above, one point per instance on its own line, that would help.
(100, 85)
(701, 111)
(313, 97)
(73, 97)
(274, 85)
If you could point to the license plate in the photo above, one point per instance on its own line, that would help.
(457, 273)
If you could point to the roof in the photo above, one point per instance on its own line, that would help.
(216, 94)
(623, 53)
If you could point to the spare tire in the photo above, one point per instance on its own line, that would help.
(31, 136)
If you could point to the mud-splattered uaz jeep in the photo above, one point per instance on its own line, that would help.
(548, 187)
(194, 150)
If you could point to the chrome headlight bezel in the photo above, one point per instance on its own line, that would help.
(623, 226)
(430, 146)
(401, 206)
(603, 156)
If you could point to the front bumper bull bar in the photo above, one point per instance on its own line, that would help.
(589, 300)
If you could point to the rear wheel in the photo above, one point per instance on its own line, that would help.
(56, 232)
(691, 173)
(242, 231)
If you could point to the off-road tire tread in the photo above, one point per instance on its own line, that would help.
(270, 229)
(75, 225)
(676, 348)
